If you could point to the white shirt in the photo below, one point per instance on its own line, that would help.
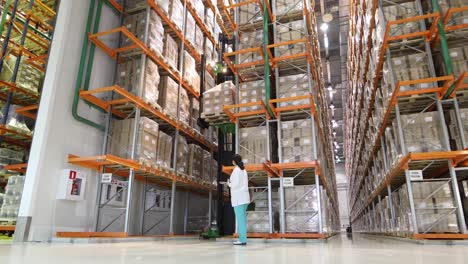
(239, 184)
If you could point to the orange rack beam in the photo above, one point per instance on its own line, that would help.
(92, 234)
(460, 84)
(235, 116)
(200, 22)
(440, 236)
(448, 80)
(116, 5)
(129, 98)
(286, 235)
(15, 137)
(21, 96)
(121, 167)
(403, 164)
(234, 67)
(277, 110)
(28, 111)
(21, 168)
(139, 45)
(306, 54)
(7, 228)
(446, 20)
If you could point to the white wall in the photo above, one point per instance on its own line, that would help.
(57, 134)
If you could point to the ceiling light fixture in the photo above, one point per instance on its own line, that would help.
(324, 27)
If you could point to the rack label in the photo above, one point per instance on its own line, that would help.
(416, 175)
(288, 182)
(106, 178)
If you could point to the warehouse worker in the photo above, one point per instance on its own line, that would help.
(240, 198)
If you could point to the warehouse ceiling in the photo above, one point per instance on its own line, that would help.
(334, 61)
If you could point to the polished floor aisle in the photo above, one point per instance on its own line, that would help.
(360, 250)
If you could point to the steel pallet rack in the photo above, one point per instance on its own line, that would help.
(270, 113)
(392, 96)
(121, 104)
(26, 28)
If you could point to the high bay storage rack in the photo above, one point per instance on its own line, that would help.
(406, 152)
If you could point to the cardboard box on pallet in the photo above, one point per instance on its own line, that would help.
(195, 161)
(304, 219)
(199, 39)
(190, 29)
(147, 138)
(168, 95)
(210, 20)
(194, 114)
(217, 97)
(251, 39)
(288, 7)
(171, 51)
(164, 4)
(136, 23)
(184, 107)
(249, 14)
(288, 32)
(454, 127)
(401, 11)
(190, 72)
(291, 86)
(164, 150)
(296, 140)
(177, 13)
(253, 145)
(251, 92)
(129, 78)
(410, 67)
(182, 155)
(422, 132)
(208, 172)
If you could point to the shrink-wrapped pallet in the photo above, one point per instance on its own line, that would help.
(217, 97)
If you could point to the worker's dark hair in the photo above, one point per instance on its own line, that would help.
(238, 159)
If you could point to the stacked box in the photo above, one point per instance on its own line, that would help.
(195, 161)
(454, 127)
(294, 85)
(251, 92)
(251, 39)
(217, 97)
(190, 72)
(208, 175)
(190, 29)
(301, 204)
(171, 51)
(182, 155)
(209, 81)
(136, 23)
(257, 221)
(401, 11)
(28, 78)
(129, 78)
(8, 156)
(422, 132)
(147, 138)
(296, 140)
(434, 205)
(168, 96)
(199, 39)
(176, 13)
(209, 20)
(199, 7)
(286, 7)
(253, 145)
(194, 114)
(164, 150)
(460, 17)
(12, 198)
(249, 14)
(209, 52)
(164, 4)
(287, 32)
(410, 67)
(459, 58)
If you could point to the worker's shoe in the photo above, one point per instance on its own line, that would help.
(238, 243)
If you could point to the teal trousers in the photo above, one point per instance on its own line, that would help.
(241, 220)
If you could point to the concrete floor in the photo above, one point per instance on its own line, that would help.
(360, 250)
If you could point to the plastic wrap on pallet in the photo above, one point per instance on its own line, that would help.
(209, 20)
(209, 81)
(12, 198)
(147, 138)
(182, 155)
(129, 79)
(168, 95)
(454, 127)
(136, 23)
(284, 8)
(217, 97)
(401, 11)
(410, 67)
(258, 222)
(209, 54)
(199, 39)
(207, 174)
(296, 140)
(190, 29)
(171, 51)
(195, 161)
(28, 77)
(458, 18)
(422, 132)
(190, 72)
(291, 86)
(164, 150)
(184, 107)
(177, 13)
(195, 114)
(251, 92)
(249, 14)
(251, 39)
(459, 58)
(164, 4)
(434, 204)
(253, 145)
(288, 32)
(302, 209)
(8, 156)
